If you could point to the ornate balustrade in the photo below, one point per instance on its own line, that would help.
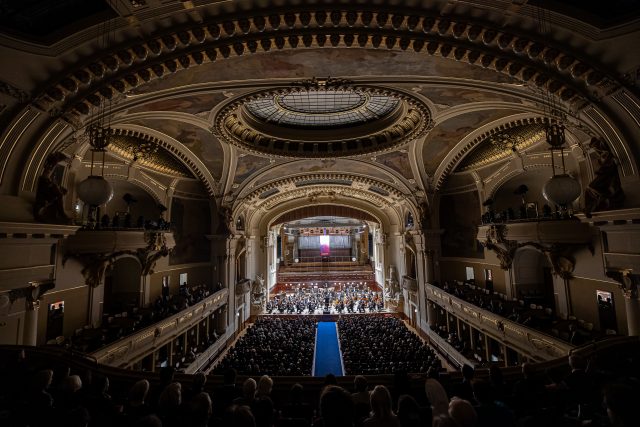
(557, 239)
(98, 249)
(527, 341)
(145, 341)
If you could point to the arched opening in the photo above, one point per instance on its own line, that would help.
(122, 291)
(533, 279)
(322, 263)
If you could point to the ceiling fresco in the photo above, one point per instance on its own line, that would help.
(306, 63)
(248, 165)
(398, 161)
(324, 165)
(451, 97)
(200, 141)
(444, 136)
(192, 104)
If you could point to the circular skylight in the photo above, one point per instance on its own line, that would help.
(322, 108)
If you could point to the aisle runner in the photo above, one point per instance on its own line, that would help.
(328, 359)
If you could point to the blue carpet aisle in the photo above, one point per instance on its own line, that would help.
(328, 359)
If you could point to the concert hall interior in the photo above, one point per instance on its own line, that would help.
(238, 212)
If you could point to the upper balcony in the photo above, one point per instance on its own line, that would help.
(135, 346)
(565, 231)
(116, 240)
(530, 342)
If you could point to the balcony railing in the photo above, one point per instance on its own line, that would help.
(530, 342)
(145, 341)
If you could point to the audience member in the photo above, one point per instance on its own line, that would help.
(381, 412)
(462, 413)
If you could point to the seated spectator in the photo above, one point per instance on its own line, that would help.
(136, 407)
(409, 413)
(336, 408)
(619, 401)
(225, 394)
(464, 390)
(381, 413)
(200, 410)
(249, 387)
(361, 398)
(490, 412)
(169, 406)
(296, 408)
(462, 413)
(436, 394)
(263, 409)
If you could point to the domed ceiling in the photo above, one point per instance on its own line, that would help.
(379, 102)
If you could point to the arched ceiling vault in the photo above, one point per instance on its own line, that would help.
(475, 72)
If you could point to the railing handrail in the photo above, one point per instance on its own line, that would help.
(151, 330)
(507, 324)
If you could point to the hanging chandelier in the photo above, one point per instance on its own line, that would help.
(561, 189)
(95, 191)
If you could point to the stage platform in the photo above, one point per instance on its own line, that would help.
(333, 317)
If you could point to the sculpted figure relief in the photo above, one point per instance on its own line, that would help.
(605, 191)
(48, 206)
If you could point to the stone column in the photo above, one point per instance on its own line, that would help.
(421, 278)
(431, 315)
(561, 295)
(432, 250)
(30, 332)
(96, 298)
(630, 287)
(230, 278)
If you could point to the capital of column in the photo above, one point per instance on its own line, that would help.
(628, 282)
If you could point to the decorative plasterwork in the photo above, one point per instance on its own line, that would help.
(461, 152)
(319, 194)
(409, 120)
(489, 150)
(125, 144)
(288, 184)
(525, 56)
(555, 239)
(153, 246)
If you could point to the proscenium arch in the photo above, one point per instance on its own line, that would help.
(323, 210)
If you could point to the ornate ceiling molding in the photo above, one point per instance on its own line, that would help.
(325, 193)
(465, 147)
(323, 180)
(180, 152)
(526, 57)
(237, 126)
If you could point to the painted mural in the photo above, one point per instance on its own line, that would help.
(397, 161)
(459, 217)
(447, 134)
(193, 104)
(324, 165)
(306, 63)
(191, 243)
(447, 96)
(200, 141)
(247, 166)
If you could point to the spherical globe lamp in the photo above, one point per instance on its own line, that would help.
(95, 190)
(561, 190)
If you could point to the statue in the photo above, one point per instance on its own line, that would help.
(224, 221)
(392, 288)
(48, 206)
(605, 191)
(258, 294)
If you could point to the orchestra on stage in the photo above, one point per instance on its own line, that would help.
(350, 298)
